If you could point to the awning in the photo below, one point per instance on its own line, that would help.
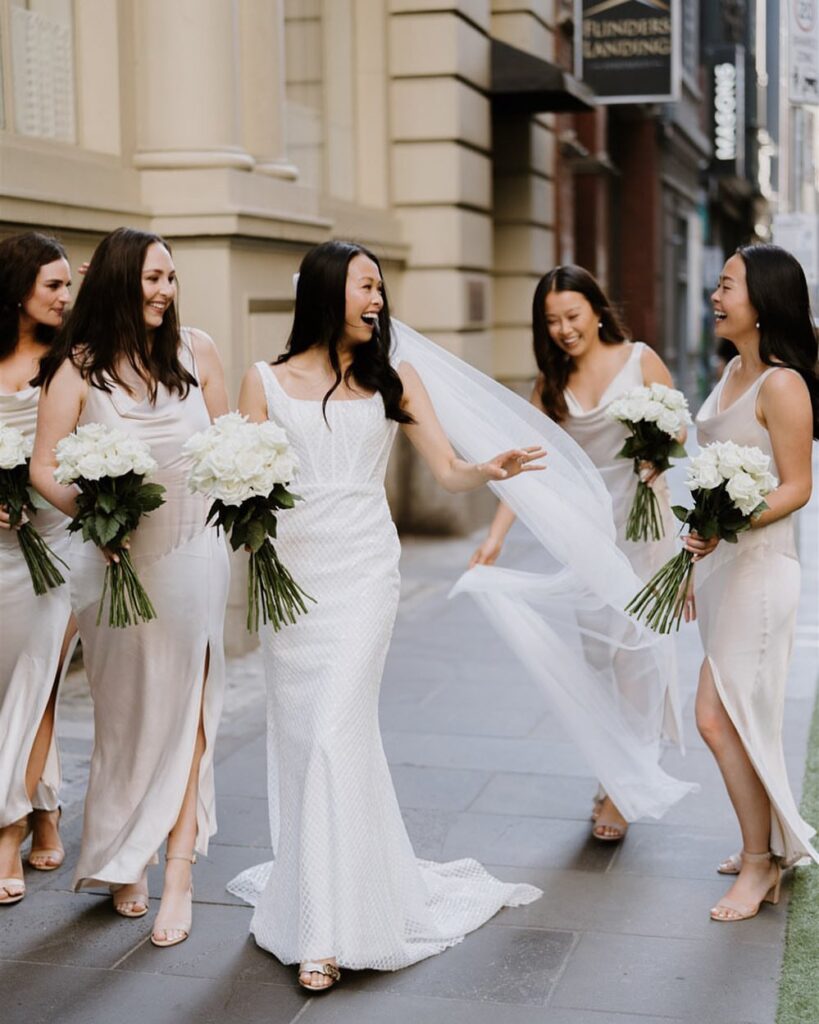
(524, 84)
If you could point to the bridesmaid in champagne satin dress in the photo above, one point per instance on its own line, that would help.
(157, 686)
(37, 629)
(586, 362)
(746, 594)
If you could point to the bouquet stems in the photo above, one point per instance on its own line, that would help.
(661, 601)
(644, 520)
(272, 591)
(40, 560)
(129, 602)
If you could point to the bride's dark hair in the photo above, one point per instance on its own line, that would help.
(554, 364)
(107, 323)
(778, 291)
(319, 321)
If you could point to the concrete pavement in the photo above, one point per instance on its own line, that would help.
(621, 935)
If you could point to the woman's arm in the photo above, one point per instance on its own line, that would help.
(431, 443)
(58, 413)
(211, 373)
(785, 411)
(252, 399)
(655, 371)
(488, 552)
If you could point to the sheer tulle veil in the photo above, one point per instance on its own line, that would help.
(565, 621)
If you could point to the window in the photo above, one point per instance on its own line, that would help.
(42, 68)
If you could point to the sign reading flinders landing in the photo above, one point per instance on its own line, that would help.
(627, 51)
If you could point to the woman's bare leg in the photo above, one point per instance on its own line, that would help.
(748, 795)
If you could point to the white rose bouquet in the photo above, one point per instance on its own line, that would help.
(729, 483)
(20, 503)
(244, 467)
(109, 467)
(655, 415)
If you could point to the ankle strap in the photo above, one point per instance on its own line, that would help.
(756, 858)
(189, 857)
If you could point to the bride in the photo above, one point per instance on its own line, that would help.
(345, 888)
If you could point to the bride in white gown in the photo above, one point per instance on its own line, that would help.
(345, 888)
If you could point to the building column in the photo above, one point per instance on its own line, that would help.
(187, 85)
(263, 86)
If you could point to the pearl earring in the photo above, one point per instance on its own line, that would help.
(600, 324)
(757, 325)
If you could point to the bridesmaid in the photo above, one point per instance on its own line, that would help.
(37, 631)
(157, 687)
(586, 361)
(746, 594)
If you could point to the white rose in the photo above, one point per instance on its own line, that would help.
(91, 466)
(703, 471)
(730, 460)
(743, 490)
(249, 463)
(14, 449)
(652, 411)
(669, 422)
(755, 461)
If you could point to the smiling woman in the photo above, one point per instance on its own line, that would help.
(37, 630)
(123, 361)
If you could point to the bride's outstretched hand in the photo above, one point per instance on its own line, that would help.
(511, 463)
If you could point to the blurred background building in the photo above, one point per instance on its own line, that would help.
(463, 140)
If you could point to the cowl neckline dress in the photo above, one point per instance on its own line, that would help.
(33, 628)
(147, 680)
(747, 597)
(601, 438)
(345, 881)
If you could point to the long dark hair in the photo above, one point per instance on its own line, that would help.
(319, 321)
(21, 257)
(107, 323)
(554, 364)
(778, 291)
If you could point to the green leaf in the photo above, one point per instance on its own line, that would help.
(681, 512)
(256, 535)
(677, 451)
(106, 501)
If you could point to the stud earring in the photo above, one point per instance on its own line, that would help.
(757, 325)
(600, 324)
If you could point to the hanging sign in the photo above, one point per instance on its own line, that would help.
(628, 51)
(803, 51)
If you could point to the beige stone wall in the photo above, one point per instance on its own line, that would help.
(246, 131)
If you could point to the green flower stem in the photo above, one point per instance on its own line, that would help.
(272, 591)
(129, 602)
(661, 602)
(645, 521)
(40, 560)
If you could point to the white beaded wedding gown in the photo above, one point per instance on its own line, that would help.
(345, 881)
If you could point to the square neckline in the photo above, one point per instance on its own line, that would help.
(315, 401)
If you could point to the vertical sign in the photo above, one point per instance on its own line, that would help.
(628, 51)
(725, 65)
(803, 36)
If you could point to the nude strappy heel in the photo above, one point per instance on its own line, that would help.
(46, 858)
(175, 926)
(18, 885)
(742, 911)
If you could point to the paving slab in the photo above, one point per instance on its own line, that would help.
(711, 982)
(499, 965)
